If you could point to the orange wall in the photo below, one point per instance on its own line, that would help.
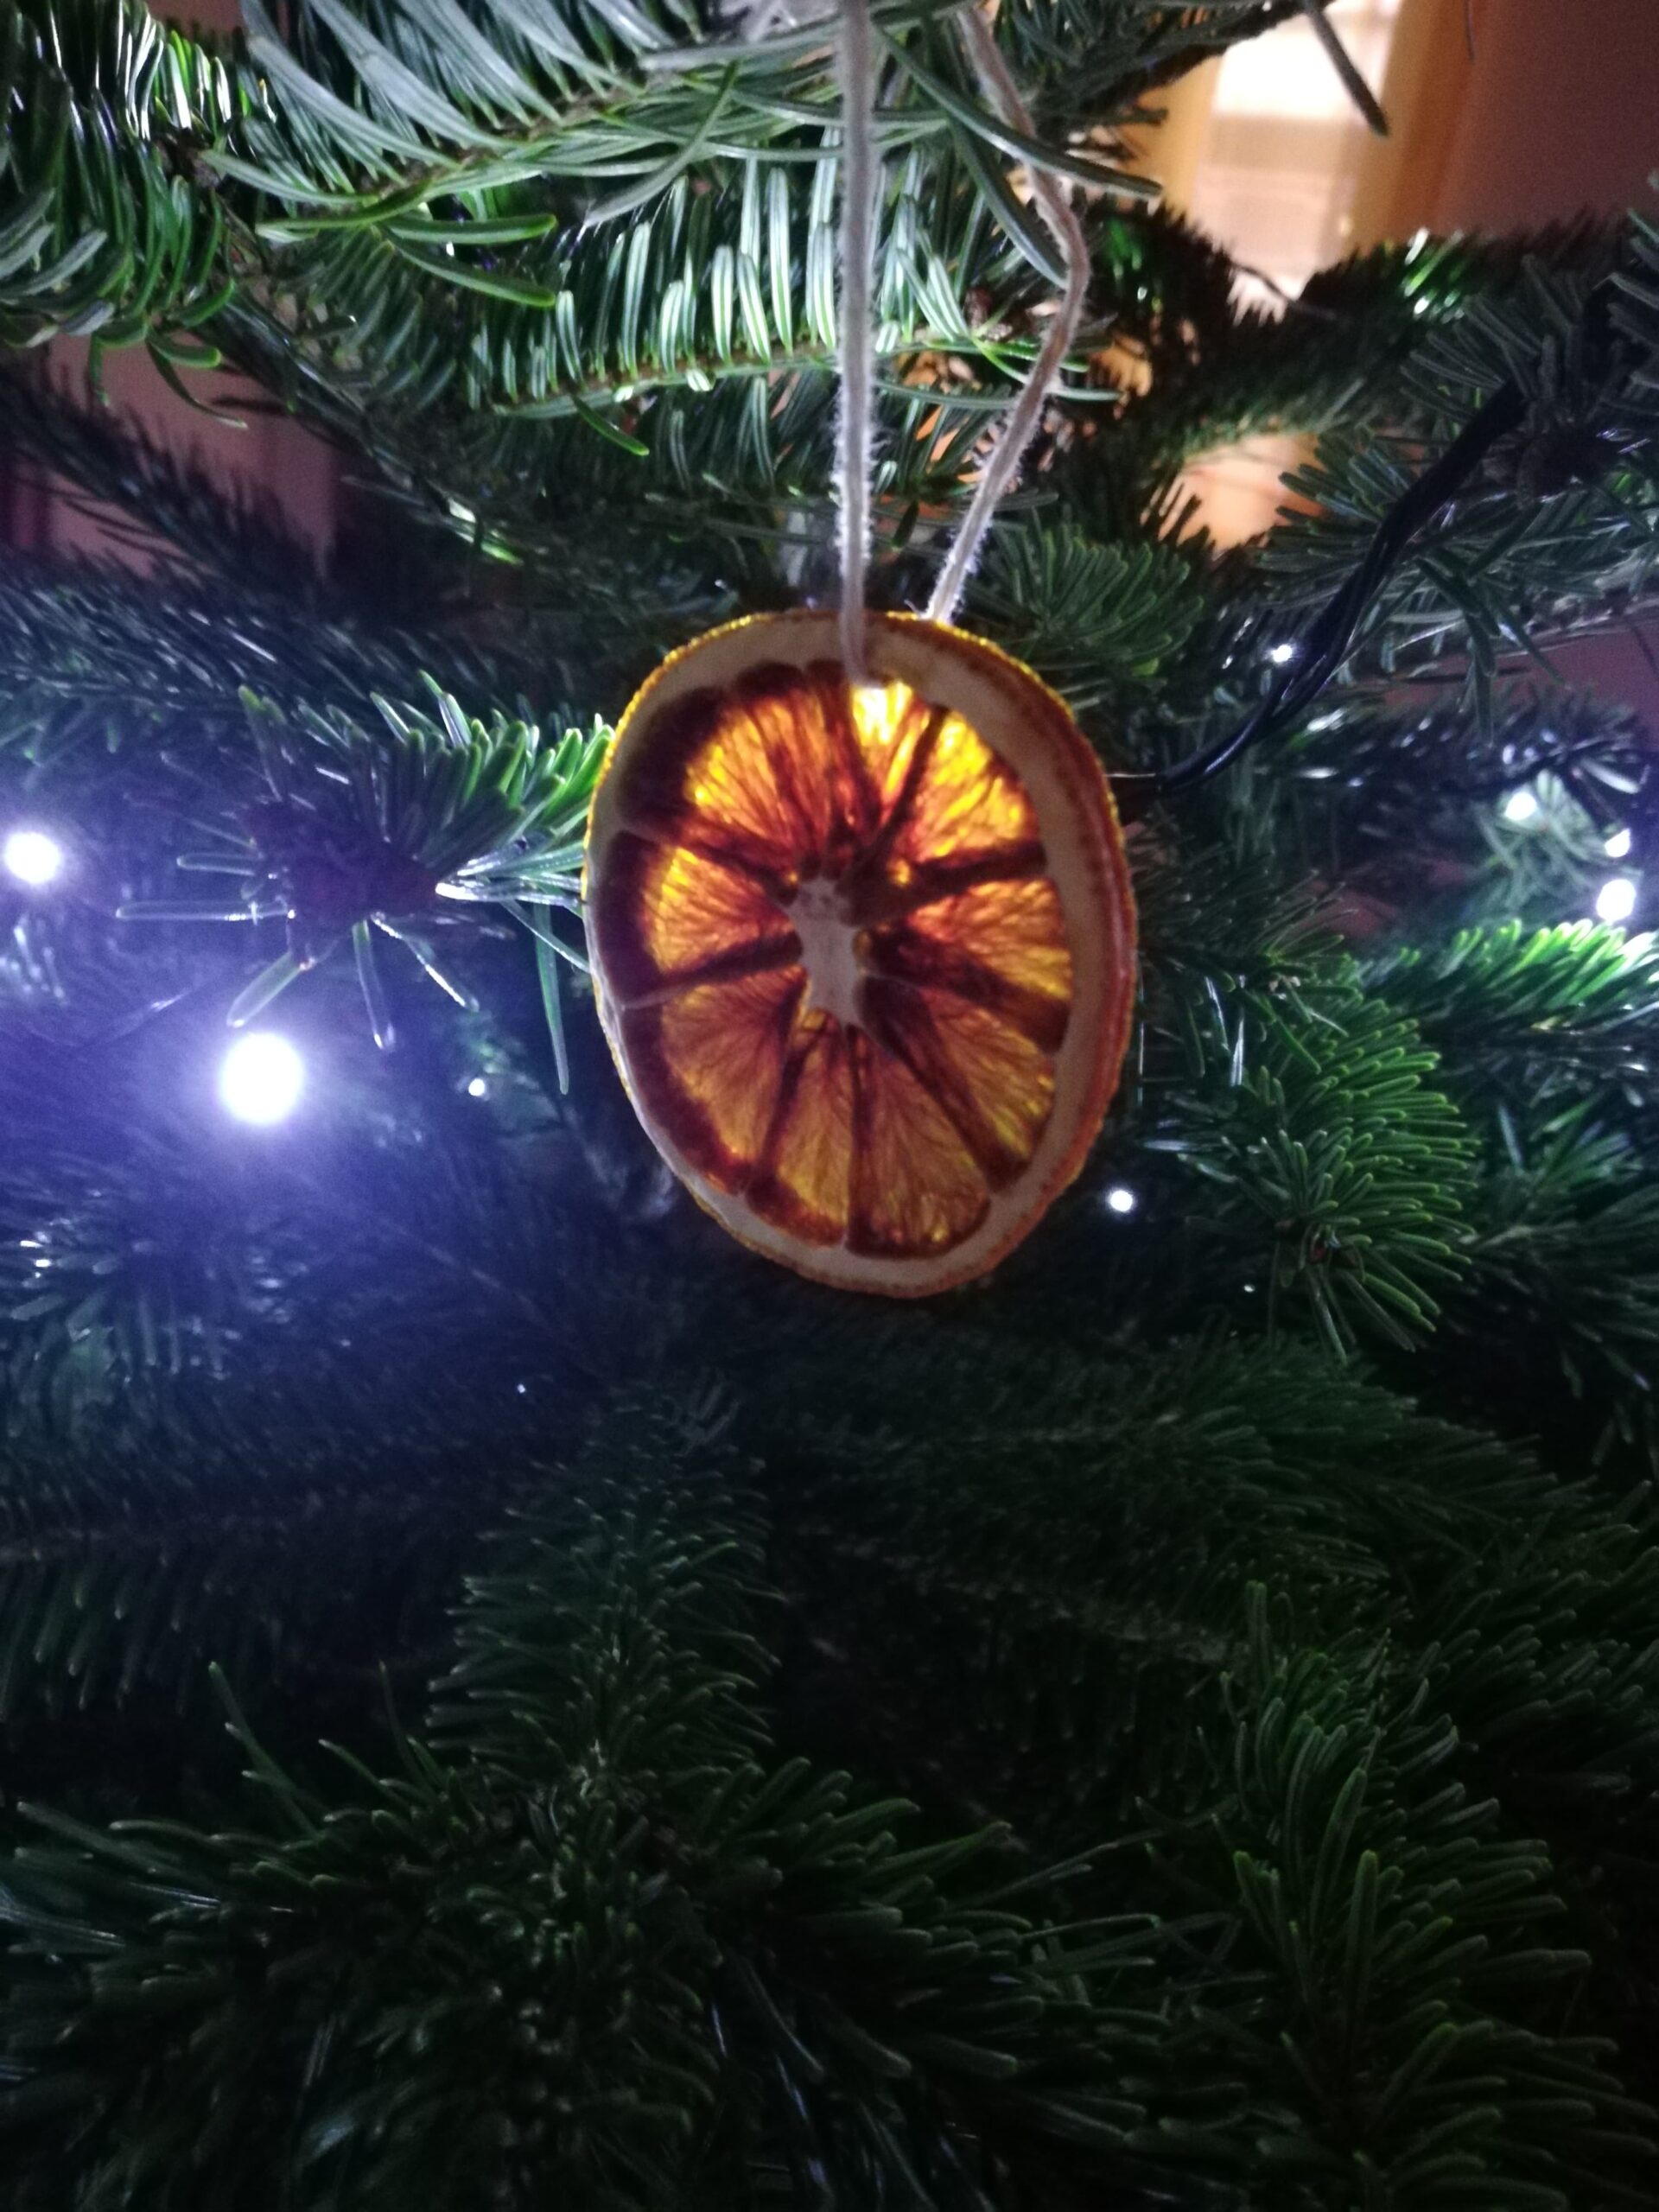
(1555, 114)
(1556, 111)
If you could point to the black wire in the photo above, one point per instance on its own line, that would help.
(1321, 652)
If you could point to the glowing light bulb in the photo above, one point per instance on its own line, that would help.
(478, 1087)
(1618, 845)
(1615, 901)
(1520, 806)
(260, 1078)
(1281, 656)
(1122, 1199)
(33, 857)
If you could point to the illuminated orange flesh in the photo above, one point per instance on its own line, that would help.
(889, 1133)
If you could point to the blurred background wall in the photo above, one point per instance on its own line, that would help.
(1503, 115)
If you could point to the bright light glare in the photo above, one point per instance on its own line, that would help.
(1122, 1199)
(876, 709)
(1615, 901)
(1520, 806)
(33, 857)
(1281, 656)
(478, 1087)
(260, 1078)
(1618, 845)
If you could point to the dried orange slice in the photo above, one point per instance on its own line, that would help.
(864, 954)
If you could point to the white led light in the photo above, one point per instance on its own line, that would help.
(260, 1078)
(1618, 845)
(33, 857)
(1520, 806)
(1281, 656)
(1615, 901)
(1122, 1199)
(478, 1087)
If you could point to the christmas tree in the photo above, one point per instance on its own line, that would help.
(511, 1700)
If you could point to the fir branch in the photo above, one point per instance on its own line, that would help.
(1548, 1017)
(1324, 1149)
(1403, 1953)
(1199, 372)
(587, 1877)
(1559, 534)
(1099, 622)
(125, 477)
(100, 231)
(1563, 1295)
(98, 660)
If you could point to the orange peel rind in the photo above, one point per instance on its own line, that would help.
(864, 956)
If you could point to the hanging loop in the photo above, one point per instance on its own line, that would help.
(1003, 461)
(856, 442)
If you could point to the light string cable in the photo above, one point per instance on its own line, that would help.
(1018, 430)
(1324, 645)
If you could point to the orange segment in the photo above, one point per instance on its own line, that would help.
(864, 954)
(995, 1086)
(1003, 946)
(670, 918)
(967, 805)
(713, 1056)
(803, 1179)
(1016, 929)
(769, 775)
(916, 1190)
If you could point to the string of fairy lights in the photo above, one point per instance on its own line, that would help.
(262, 1073)
(1618, 898)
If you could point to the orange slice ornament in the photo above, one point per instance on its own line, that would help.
(864, 954)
